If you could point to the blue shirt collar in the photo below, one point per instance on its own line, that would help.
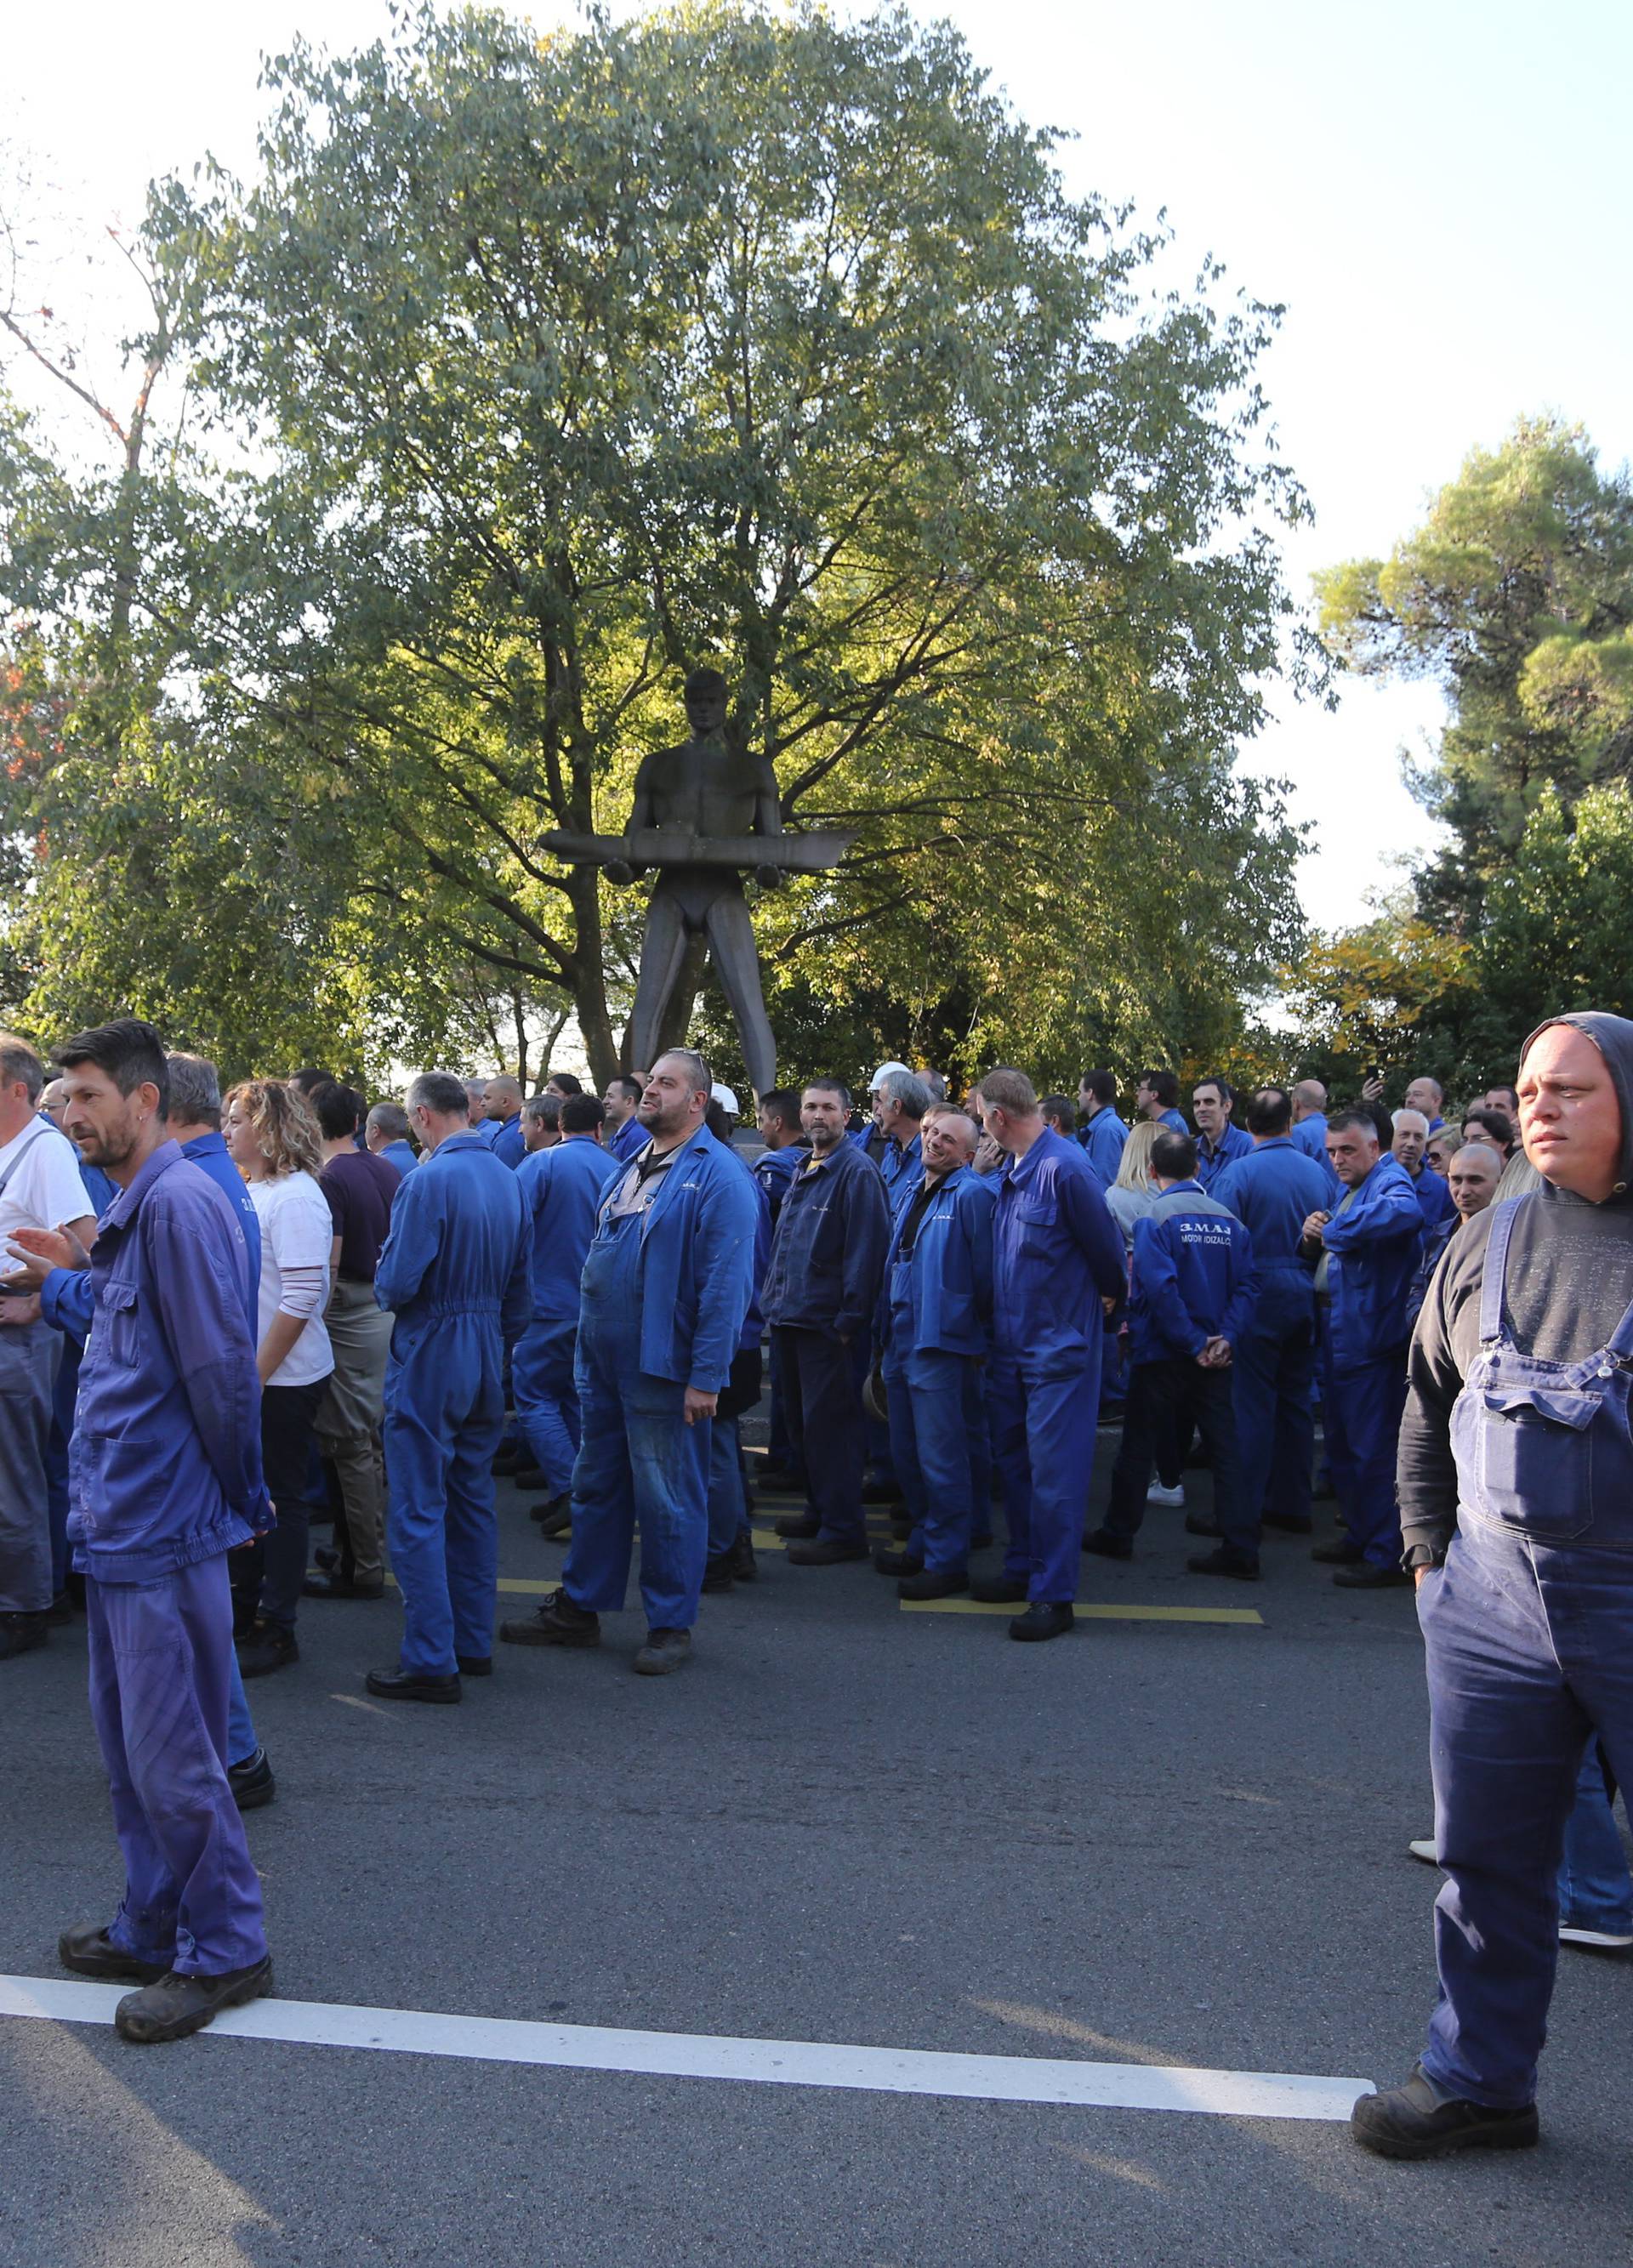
(128, 1203)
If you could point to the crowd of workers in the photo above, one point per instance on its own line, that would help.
(229, 1314)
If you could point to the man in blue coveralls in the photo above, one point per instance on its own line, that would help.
(1364, 1254)
(1516, 1481)
(626, 1134)
(937, 1302)
(1309, 1130)
(1156, 1098)
(1220, 1141)
(1433, 1197)
(1101, 1133)
(1057, 1272)
(666, 1285)
(1273, 1191)
(778, 1118)
(386, 1134)
(561, 1188)
(502, 1102)
(454, 1270)
(165, 1479)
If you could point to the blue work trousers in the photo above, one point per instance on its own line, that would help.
(1529, 1649)
(1595, 1886)
(936, 1414)
(1273, 1364)
(727, 1505)
(445, 1407)
(822, 1400)
(1043, 1417)
(1361, 1412)
(161, 1655)
(547, 1401)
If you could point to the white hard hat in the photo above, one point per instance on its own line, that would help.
(884, 1072)
(726, 1099)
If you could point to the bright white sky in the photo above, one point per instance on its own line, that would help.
(1434, 188)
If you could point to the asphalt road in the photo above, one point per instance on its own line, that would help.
(1147, 1843)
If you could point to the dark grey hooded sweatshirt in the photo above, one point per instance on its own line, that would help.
(1569, 1281)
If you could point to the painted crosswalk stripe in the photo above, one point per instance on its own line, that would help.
(768, 2063)
(1096, 1611)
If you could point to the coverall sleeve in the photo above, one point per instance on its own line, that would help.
(411, 1242)
(1157, 1283)
(1394, 1213)
(723, 1271)
(1425, 1469)
(1087, 1217)
(195, 1281)
(516, 1307)
(68, 1300)
(866, 1236)
(975, 1211)
(1244, 1288)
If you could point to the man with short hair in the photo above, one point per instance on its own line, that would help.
(166, 1480)
(454, 1272)
(778, 1118)
(562, 1188)
(1273, 1192)
(1308, 1132)
(1426, 1094)
(1193, 1297)
(1505, 1099)
(827, 1259)
(561, 1084)
(666, 1284)
(1411, 1139)
(40, 1189)
(1364, 1254)
(1476, 1171)
(1493, 1126)
(1058, 1270)
(1101, 1133)
(541, 1122)
(898, 1102)
(1059, 1114)
(1516, 1480)
(1156, 1097)
(476, 1108)
(1220, 1140)
(626, 1134)
(502, 1102)
(386, 1135)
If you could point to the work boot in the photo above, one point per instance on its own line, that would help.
(327, 1558)
(717, 1572)
(559, 1621)
(1044, 1619)
(933, 1583)
(803, 1525)
(1224, 1563)
(410, 1685)
(555, 1517)
(1000, 1590)
(826, 1551)
(1104, 1545)
(744, 1566)
(886, 1562)
(1201, 1523)
(1419, 2119)
(266, 1648)
(532, 1480)
(344, 1587)
(882, 1492)
(22, 1633)
(1340, 1552)
(474, 1665)
(1290, 1523)
(173, 2004)
(665, 1650)
(88, 1950)
(1361, 1575)
(252, 1782)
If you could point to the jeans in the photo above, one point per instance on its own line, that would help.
(1595, 1888)
(287, 1413)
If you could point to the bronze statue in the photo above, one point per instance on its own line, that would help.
(704, 812)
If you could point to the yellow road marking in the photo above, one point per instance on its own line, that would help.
(1095, 1613)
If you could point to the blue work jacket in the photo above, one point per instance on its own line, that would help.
(1236, 1142)
(164, 1467)
(774, 1169)
(697, 1264)
(1374, 1246)
(1434, 1200)
(754, 1321)
(1055, 1250)
(1101, 1141)
(561, 1191)
(827, 1257)
(1175, 1119)
(459, 1244)
(1310, 1136)
(508, 1145)
(630, 1140)
(949, 1272)
(1273, 1191)
(1193, 1277)
(401, 1154)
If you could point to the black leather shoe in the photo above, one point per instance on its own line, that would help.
(1416, 2120)
(409, 1685)
(887, 1562)
(1041, 1620)
(88, 1951)
(22, 1633)
(803, 1525)
(265, 1650)
(556, 1623)
(327, 1558)
(825, 1552)
(745, 1567)
(1289, 1523)
(717, 1575)
(1104, 1545)
(1364, 1576)
(998, 1590)
(175, 2006)
(252, 1782)
(665, 1650)
(882, 1493)
(1201, 1523)
(1340, 1553)
(1224, 1563)
(554, 1516)
(939, 1583)
(474, 1665)
(342, 1586)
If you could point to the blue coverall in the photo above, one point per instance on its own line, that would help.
(164, 1480)
(1101, 1139)
(454, 1270)
(561, 1188)
(728, 1510)
(507, 1143)
(938, 1296)
(401, 1154)
(1056, 1250)
(664, 1294)
(630, 1138)
(1212, 1159)
(773, 1170)
(1373, 1246)
(1273, 1191)
(1434, 1200)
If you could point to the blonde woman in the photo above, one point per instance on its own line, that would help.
(274, 1141)
(1133, 1194)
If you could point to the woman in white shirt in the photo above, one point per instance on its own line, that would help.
(274, 1144)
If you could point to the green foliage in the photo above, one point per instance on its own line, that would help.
(1378, 999)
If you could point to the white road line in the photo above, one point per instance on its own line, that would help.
(771, 2063)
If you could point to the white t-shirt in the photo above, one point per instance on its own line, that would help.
(296, 1232)
(44, 1189)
